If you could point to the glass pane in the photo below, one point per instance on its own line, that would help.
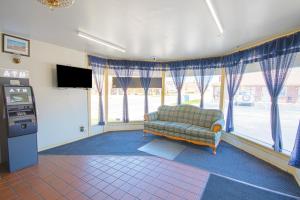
(94, 105)
(190, 93)
(252, 107)
(154, 99)
(289, 108)
(115, 102)
(136, 98)
(213, 93)
(170, 91)
(136, 104)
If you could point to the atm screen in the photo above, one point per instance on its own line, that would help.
(17, 98)
(18, 95)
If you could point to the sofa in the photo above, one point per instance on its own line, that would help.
(187, 123)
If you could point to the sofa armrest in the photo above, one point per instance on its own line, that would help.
(151, 116)
(217, 126)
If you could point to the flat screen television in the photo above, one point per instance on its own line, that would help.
(73, 77)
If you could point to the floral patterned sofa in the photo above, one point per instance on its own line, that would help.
(187, 123)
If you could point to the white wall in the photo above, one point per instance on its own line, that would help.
(60, 112)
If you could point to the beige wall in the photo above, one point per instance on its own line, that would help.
(60, 111)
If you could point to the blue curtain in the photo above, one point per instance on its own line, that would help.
(203, 77)
(98, 67)
(145, 78)
(124, 76)
(275, 71)
(295, 156)
(98, 73)
(178, 76)
(234, 76)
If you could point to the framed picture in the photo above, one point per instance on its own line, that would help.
(15, 45)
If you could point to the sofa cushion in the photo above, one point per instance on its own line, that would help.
(206, 117)
(205, 134)
(159, 125)
(189, 114)
(181, 113)
(177, 127)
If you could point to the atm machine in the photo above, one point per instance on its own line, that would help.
(18, 127)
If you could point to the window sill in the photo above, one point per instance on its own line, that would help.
(122, 123)
(267, 148)
(261, 143)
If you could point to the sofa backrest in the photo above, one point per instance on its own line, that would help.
(189, 114)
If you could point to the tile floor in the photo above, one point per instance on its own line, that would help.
(104, 177)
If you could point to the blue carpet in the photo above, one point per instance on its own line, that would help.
(235, 163)
(236, 191)
(229, 161)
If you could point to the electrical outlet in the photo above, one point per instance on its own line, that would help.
(81, 128)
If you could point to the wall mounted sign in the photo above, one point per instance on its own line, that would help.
(15, 45)
(14, 73)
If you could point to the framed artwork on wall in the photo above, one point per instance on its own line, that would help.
(15, 45)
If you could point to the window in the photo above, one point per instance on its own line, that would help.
(136, 104)
(136, 99)
(154, 93)
(289, 108)
(251, 112)
(170, 90)
(94, 104)
(190, 93)
(115, 100)
(252, 106)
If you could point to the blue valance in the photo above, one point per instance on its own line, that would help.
(97, 61)
(128, 64)
(140, 65)
(284, 45)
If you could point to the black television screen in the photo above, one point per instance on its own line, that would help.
(73, 77)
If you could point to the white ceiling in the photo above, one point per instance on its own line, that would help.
(166, 29)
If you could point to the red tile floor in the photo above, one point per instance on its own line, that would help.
(104, 177)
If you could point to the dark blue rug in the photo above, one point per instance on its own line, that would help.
(229, 161)
(111, 143)
(233, 190)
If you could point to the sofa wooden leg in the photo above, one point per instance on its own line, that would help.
(214, 149)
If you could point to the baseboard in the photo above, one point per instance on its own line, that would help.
(297, 176)
(124, 126)
(276, 159)
(67, 142)
(96, 130)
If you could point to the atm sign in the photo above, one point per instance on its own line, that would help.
(14, 73)
(18, 90)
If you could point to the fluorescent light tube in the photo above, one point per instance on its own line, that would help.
(101, 41)
(215, 16)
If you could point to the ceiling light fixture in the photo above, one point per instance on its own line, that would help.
(101, 41)
(52, 4)
(214, 14)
